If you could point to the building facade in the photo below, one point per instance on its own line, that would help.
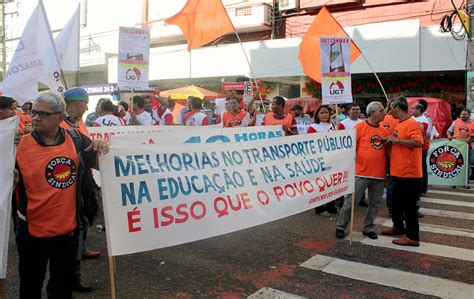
(401, 40)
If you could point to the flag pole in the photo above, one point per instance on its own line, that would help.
(352, 218)
(250, 66)
(376, 76)
(112, 276)
(2, 288)
(63, 78)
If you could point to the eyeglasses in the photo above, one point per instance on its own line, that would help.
(43, 114)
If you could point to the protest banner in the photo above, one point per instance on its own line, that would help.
(303, 123)
(447, 162)
(163, 195)
(135, 135)
(105, 132)
(133, 58)
(8, 128)
(336, 84)
(210, 135)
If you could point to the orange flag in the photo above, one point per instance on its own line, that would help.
(202, 21)
(310, 56)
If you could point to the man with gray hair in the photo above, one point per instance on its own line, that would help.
(51, 162)
(371, 158)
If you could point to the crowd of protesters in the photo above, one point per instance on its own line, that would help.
(51, 215)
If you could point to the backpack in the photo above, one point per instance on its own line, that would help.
(88, 191)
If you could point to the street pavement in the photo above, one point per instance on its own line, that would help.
(299, 257)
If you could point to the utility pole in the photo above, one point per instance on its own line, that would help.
(470, 59)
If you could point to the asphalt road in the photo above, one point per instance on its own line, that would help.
(249, 262)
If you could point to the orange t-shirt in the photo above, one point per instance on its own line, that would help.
(405, 162)
(371, 153)
(462, 130)
(50, 178)
(81, 127)
(389, 122)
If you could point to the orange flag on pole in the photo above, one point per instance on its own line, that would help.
(202, 21)
(310, 56)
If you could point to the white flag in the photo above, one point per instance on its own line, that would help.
(67, 43)
(35, 60)
(8, 128)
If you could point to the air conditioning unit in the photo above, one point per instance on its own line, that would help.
(248, 18)
(288, 4)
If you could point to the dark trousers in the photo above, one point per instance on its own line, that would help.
(406, 192)
(35, 253)
(389, 188)
(81, 242)
(424, 185)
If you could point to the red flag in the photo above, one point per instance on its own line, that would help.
(202, 21)
(310, 56)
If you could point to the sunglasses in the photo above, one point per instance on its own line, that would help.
(42, 114)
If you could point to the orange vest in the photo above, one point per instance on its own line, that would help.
(50, 178)
(270, 120)
(462, 130)
(25, 119)
(229, 120)
(21, 124)
(81, 127)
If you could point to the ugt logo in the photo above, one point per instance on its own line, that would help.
(336, 88)
(133, 74)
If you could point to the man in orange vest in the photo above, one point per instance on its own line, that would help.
(235, 116)
(278, 117)
(76, 105)
(463, 128)
(49, 191)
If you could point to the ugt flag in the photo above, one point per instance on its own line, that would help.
(35, 60)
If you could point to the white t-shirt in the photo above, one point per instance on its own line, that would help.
(348, 124)
(321, 127)
(145, 119)
(108, 121)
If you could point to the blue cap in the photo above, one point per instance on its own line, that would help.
(76, 94)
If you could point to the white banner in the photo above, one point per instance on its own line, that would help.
(135, 135)
(35, 60)
(133, 58)
(336, 86)
(68, 43)
(210, 135)
(105, 132)
(8, 128)
(163, 195)
(303, 124)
